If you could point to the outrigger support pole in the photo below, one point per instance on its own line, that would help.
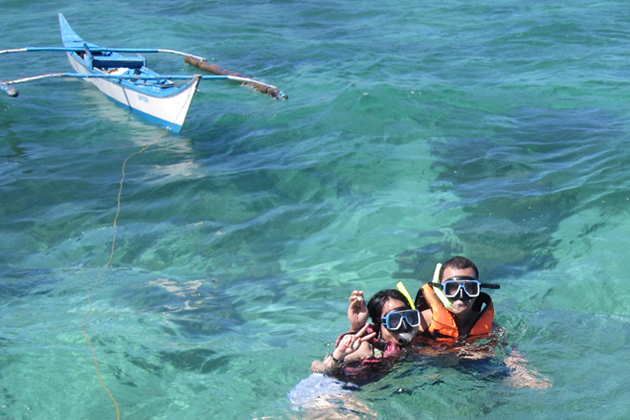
(203, 64)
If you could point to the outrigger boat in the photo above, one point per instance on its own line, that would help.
(124, 78)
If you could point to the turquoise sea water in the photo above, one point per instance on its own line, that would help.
(414, 131)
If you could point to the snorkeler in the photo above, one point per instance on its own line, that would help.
(455, 313)
(363, 355)
(360, 356)
(394, 325)
(452, 305)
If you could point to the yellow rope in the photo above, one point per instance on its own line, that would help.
(109, 262)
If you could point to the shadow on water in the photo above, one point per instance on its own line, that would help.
(517, 187)
(200, 360)
(17, 150)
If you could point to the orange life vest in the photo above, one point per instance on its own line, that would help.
(443, 323)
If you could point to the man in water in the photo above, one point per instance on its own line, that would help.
(452, 305)
(455, 313)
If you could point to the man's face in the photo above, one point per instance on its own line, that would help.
(464, 305)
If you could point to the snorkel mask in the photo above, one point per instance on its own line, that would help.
(460, 287)
(403, 322)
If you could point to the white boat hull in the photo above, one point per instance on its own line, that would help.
(168, 111)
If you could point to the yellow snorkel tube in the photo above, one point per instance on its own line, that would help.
(402, 289)
(438, 290)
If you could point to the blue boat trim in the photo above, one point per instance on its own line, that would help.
(175, 128)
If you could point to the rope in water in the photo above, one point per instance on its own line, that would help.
(107, 265)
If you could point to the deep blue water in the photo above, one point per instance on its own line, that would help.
(414, 132)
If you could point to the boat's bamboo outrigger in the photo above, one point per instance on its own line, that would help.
(126, 80)
(194, 60)
(162, 78)
(203, 64)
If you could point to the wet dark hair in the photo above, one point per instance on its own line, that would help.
(459, 263)
(375, 305)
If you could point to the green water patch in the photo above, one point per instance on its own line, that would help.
(516, 188)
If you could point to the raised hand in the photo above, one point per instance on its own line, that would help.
(350, 343)
(350, 346)
(357, 311)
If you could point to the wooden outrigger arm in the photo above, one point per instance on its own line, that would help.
(203, 64)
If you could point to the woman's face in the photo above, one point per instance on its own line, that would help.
(402, 336)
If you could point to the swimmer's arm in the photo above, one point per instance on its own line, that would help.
(523, 377)
(352, 347)
(335, 360)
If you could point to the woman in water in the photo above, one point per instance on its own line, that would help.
(360, 356)
(368, 346)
